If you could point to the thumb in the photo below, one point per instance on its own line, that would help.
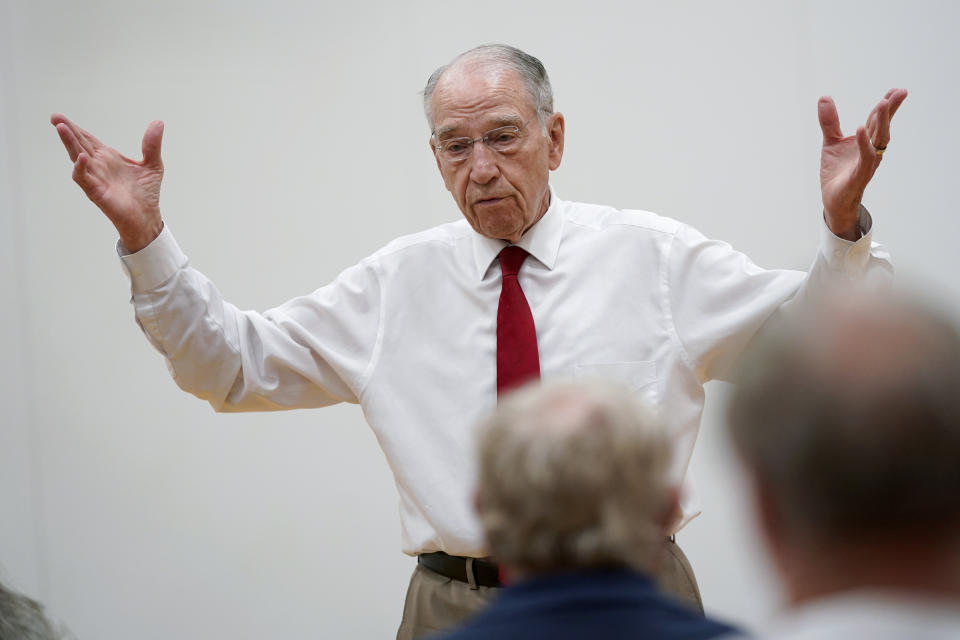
(829, 120)
(151, 144)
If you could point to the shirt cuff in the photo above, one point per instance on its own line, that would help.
(154, 264)
(844, 255)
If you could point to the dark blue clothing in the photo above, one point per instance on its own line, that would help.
(594, 605)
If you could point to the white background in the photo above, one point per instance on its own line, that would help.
(295, 145)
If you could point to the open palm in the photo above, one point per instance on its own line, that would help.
(848, 163)
(127, 191)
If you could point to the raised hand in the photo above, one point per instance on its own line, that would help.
(848, 163)
(127, 191)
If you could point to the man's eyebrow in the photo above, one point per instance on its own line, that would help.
(443, 132)
(503, 121)
(495, 122)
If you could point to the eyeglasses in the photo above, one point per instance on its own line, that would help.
(502, 140)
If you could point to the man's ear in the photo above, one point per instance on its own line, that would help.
(555, 131)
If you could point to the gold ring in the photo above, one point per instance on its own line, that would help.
(879, 150)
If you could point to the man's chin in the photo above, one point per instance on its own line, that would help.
(499, 219)
(510, 233)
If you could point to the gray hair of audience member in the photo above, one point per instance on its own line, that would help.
(531, 70)
(22, 618)
(574, 476)
(849, 421)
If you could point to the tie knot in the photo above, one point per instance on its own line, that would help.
(510, 260)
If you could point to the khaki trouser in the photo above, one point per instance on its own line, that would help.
(436, 603)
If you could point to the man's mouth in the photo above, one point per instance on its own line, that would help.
(487, 201)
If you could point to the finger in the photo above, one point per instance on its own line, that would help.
(881, 137)
(869, 158)
(873, 120)
(892, 99)
(152, 139)
(85, 174)
(89, 139)
(81, 171)
(78, 134)
(80, 166)
(896, 98)
(829, 120)
(69, 141)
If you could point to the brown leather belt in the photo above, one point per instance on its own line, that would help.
(473, 571)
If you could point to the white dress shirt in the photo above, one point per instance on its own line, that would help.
(409, 333)
(869, 615)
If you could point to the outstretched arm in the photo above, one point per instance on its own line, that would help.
(127, 191)
(848, 163)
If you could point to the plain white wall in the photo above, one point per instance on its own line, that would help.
(295, 146)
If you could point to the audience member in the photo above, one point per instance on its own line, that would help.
(575, 499)
(848, 423)
(22, 618)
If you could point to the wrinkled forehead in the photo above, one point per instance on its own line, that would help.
(480, 96)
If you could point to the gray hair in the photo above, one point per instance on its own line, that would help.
(574, 476)
(22, 618)
(530, 69)
(850, 420)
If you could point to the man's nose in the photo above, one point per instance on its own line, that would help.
(483, 163)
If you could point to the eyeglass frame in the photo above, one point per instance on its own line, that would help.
(472, 141)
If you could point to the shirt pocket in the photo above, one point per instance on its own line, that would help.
(640, 376)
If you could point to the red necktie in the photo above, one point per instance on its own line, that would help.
(518, 359)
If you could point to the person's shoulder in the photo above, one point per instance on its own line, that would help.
(676, 620)
(444, 237)
(601, 218)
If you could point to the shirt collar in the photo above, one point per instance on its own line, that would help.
(542, 240)
(852, 610)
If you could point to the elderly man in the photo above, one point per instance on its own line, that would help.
(427, 332)
(848, 423)
(575, 496)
